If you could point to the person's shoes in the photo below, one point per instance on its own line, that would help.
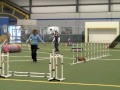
(57, 52)
(35, 61)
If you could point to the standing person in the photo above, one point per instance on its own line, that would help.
(56, 41)
(34, 38)
(68, 41)
(83, 37)
(8, 37)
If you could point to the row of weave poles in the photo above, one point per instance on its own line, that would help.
(90, 51)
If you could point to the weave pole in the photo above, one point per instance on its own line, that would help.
(93, 50)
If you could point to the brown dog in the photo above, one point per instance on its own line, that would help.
(80, 58)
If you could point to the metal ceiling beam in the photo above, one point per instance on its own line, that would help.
(109, 5)
(14, 5)
(70, 4)
(77, 6)
(77, 3)
(51, 5)
(30, 6)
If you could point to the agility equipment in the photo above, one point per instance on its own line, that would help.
(115, 42)
(53, 74)
(75, 48)
(4, 55)
(12, 48)
(90, 51)
(53, 66)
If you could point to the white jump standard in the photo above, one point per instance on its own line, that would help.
(4, 57)
(54, 67)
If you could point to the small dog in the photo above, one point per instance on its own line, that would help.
(80, 58)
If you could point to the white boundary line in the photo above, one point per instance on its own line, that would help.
(27, 56)
(20, 56)
(64, 57)
(114, 50)
(108, 59)
(27, 60)
(37, 52)
(50, 49)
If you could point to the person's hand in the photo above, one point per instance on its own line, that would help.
(27, 41)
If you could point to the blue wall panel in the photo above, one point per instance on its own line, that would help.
(3, 21)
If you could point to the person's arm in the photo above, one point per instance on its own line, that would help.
(53, 40)
(29, 39)
(58, 40)
(40, 39)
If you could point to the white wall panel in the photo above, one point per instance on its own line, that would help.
(104, 30)
(60, 23)
(102, 35)
(53, 9)
(115, 7)
(115, 1)
(94, 15)
(53, 16)
(92, 1)
(53, 2)
(26, 8)
(115, 15)
(21, 2)
(77, 15)
(93, 8)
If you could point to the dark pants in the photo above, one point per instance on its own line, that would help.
(56, 47)
(34, 52)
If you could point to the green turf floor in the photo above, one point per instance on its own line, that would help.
(100, 74)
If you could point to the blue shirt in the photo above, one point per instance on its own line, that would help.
(35, 39)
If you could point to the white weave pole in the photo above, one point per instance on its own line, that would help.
(62, 67)
(108, 50)
(88, 50)
(7, 64)
(104, 48)
(91, 50)
(73, 54)
(53, 61)
(77, 52)
(94, 49)
(50, 65)
(3, 65)
(56, 66)
(100, 49)
(85, 51)
(81, 54)
(97, 48)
